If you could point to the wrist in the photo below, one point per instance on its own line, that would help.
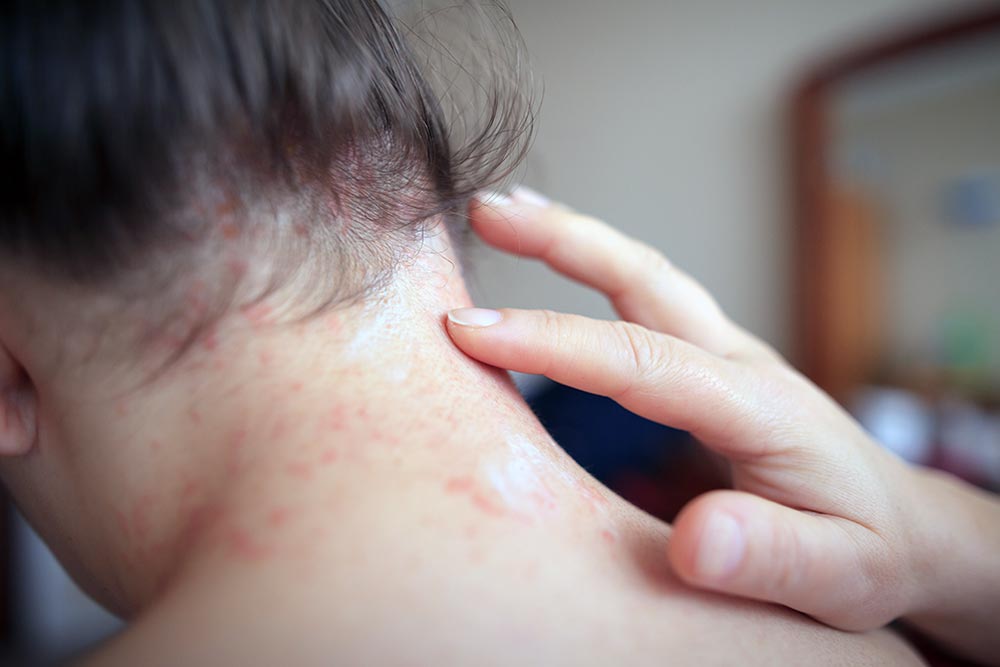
(954, 566)
(928, 562)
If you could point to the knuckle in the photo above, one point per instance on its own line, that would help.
(553, 326)
(645, 354)
(555, 332)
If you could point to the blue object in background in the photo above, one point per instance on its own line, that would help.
(603, 437)
(973, 200)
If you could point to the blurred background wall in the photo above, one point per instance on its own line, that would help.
(668, 120)
(926, 145)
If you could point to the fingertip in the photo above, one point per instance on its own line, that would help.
(491, 199)
(474, 318)
(510, 223)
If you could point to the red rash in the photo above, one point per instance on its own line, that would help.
(594, 499)
(191, 489)
(466, 486)
(259, 314)
(459, 485)
(210, 341)
(226, 207)
(486, 505)
(237, 268)
(279, 428)
(278, 516)
(337, 419)
(243, 546)
(230, 231)
(299, 470)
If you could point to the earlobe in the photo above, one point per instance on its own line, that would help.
(18, 407)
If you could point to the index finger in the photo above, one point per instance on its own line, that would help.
(654, 375)
(642, 285)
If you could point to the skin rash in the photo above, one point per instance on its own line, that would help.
(305, 491)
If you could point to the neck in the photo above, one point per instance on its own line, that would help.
(271, 432)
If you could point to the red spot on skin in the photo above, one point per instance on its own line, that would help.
(237, 268)
(243, 546)
(121, 408)
(486, 505)
(333, 323)
(295, 387)
(210, 341)
(194, 414)
(155, 445)
(191, 488)
(608, 536)
(200, 520)
(258, 314)
(226, 206)
(362, 412)
(300, 230)
(543, 501)
(230, 231)
(337, 419)
(299, 470)
(278, 516)
(266, 357)
(328, 456)
(459, 485)
(595, 500)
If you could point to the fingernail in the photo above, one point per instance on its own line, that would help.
(493, 198)
(722, 546)
(529, 196)
(474, 317)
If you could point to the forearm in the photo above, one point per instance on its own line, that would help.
(957, 566)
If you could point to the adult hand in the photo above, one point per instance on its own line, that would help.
(820, 519)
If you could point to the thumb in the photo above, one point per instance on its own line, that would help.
(741, 544)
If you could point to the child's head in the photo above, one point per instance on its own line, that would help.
(160, 148)
(168, 164)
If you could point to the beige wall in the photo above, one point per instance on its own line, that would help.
(666, 119)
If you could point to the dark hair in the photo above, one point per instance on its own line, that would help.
(129, 126)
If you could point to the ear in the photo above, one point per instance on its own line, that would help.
(18, 407)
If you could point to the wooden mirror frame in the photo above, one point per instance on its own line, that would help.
(832, 327)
